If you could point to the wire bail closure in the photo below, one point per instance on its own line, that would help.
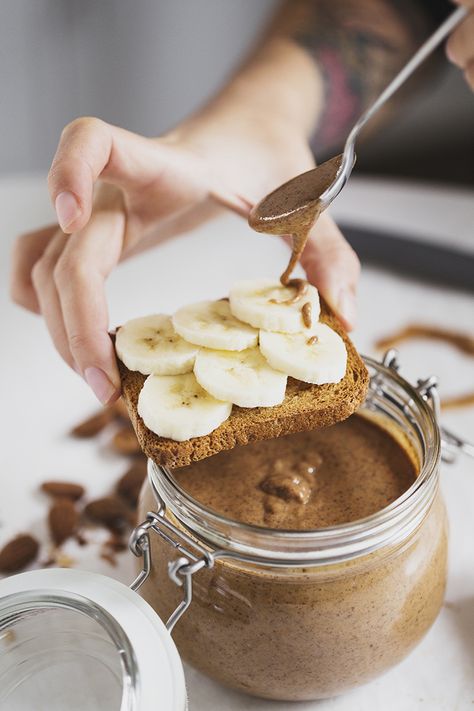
(428, 389)
(195, 557)
(180, 570)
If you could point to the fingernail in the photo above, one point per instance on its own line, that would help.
(67, 209)
(103, 389)
(347, 306)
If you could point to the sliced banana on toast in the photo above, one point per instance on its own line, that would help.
(244, 378)
(212, 325)
(241, 351)
(176, 406)
(318, 357)
(151, 345)
(266, 304)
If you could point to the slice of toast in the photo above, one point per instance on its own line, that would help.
(305, 407)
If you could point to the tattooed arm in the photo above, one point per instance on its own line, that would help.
(357, 47)
(319, 65)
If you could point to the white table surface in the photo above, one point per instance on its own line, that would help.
(41, 399)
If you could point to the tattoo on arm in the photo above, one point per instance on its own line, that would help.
(358, 45)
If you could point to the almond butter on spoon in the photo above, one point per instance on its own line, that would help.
(293, 208)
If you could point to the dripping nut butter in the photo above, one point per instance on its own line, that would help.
(296, 631)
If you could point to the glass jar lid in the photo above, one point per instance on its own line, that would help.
(79, 640)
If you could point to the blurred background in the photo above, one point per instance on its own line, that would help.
(409, 211)
(145, 64)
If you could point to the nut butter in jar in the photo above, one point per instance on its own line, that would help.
(292, 613)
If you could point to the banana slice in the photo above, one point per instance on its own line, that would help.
(319, 357)
(243, 378)
(151, 345)
(211, 324)
(177, 407)
(261, 303)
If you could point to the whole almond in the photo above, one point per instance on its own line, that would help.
(94, 424)
(116, 543)
(18, 553)
(63, 520)
(63, 490)
(109, 511)
(119, 409)
(130, 484)
(109, 557)
(125, 441)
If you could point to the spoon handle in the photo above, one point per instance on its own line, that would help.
(420, 55)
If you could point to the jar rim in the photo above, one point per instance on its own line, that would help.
(325, 545)
(130, 625)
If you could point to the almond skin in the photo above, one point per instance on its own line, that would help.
(63, 520)
(130, 484)
(63, 490)
(116, 543)
(109, 511)
(110, 558)
(119, 409)
(125, 441)
(94, 424)
(18, 553)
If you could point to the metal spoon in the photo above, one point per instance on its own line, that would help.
(323, 183)
(348, 156)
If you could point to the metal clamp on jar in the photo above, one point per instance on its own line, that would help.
(279, 614)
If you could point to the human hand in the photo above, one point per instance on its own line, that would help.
(61, 273)
(460, 46)
(151, 189)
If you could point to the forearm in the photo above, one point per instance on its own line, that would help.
(272, 100)
(357, 46)
(317, 68)
(262, 118)
(279, 85)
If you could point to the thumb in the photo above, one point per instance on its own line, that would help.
(90, 149)
(333, 267)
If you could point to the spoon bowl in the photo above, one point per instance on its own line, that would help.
(297, 201)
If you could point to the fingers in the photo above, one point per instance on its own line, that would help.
(48, 297)
(66, 278)
(469, 74)
(237, 203)
(460, 46)
(83, 151)
(27, 250)
(88, 149)
(79, 276)
(333, 267)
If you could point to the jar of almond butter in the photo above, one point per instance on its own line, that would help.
(248, 588)
(309, 613)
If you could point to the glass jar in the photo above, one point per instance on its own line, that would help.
(305, 614)
(284, 615)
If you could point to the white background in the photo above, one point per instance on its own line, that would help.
(146, 64)
(41, 399)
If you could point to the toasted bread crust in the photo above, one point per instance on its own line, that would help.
(305, 407)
